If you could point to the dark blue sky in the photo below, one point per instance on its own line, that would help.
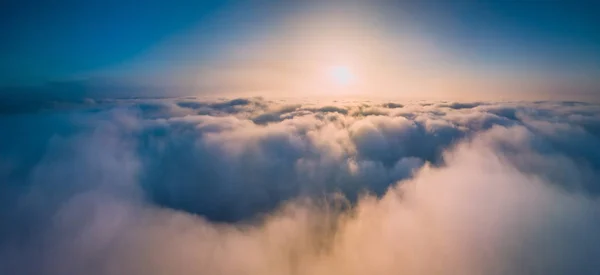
(45, 41)
(50, 40)
(560, 32)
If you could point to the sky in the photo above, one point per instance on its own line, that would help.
(388, 47)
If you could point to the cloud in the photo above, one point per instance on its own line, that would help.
(461, 105)
(252, 186)
(392, 105)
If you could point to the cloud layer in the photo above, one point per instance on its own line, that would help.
(258, 186)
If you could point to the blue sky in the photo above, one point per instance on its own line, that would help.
(129, 40)
(48, 41)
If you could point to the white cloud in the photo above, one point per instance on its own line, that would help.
(204, 188)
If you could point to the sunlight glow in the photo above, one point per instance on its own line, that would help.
(341, 75)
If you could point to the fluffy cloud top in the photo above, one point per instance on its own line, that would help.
(254, 186)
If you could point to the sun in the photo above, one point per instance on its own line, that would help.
(341, 75)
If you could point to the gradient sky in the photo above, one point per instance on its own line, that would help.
(166, 42)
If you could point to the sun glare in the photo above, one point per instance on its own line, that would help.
(341, 75)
